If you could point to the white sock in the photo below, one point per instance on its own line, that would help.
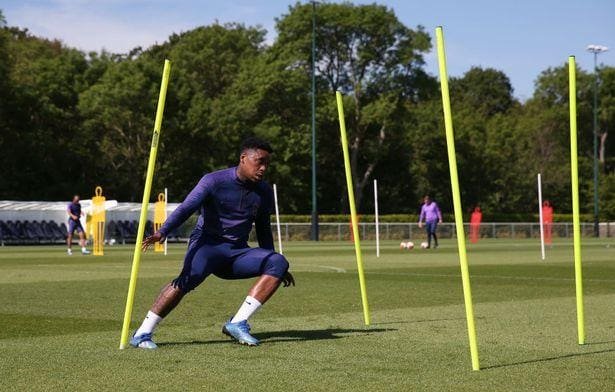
(149, 323)
(247, 309)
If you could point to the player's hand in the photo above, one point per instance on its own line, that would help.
(420, 225)
(152, 239)
(288, 279)
(440, 221)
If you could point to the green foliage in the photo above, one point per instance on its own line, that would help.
(82, 120)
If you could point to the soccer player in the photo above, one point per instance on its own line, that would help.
(430, 213)
(74, 214)
(229, 201)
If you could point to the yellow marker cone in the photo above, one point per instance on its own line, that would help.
(136, 260)
(452, 162)
(353, 210)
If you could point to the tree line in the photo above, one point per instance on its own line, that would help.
(71, 120)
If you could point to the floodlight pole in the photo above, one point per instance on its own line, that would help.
(314, 231)
(596, 50)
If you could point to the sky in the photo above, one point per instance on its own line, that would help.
(520, 37)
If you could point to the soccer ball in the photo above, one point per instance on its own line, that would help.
(406, 245)
(424, 245)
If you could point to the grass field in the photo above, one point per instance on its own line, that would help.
(60, 321)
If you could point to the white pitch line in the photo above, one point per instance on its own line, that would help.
(336, 269)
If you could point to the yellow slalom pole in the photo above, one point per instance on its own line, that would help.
(353, 209)
(136, 260)
(452, 163)
(574, 172)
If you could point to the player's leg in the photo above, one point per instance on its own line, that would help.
(428, 230)
(200, 261)
(81, 233)
(69, 237)
(271, 268)
(433, 232)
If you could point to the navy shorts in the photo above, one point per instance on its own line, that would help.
(74, 225)
(431, 227)
(227, 261)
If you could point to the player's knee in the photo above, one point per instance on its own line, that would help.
(186, 283)
(276, 265)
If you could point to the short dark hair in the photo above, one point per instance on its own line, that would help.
(255, 143)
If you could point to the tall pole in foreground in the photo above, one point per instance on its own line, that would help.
(314, 232)
(377, 223)
(596, 49)
(452, 163)
(136, 260)
(574, 173)
(277, 218)
(353, 210)
(542, 229)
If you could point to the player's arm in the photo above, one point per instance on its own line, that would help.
(422, 216)
(193, 201)
(439, 213)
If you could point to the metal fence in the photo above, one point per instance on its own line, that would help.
(402, 231)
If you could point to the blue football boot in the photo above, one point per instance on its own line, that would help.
(143, 341)
(240, 332)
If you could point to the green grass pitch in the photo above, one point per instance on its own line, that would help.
(60, 321)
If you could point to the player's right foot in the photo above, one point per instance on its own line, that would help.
(143, 341)
(240, 332)
(85, 252)
(69, 252)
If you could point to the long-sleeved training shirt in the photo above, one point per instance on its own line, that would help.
(430, 212)
(228, 208)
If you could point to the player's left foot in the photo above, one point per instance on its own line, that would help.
(143, 341)
(240, 332)
(85, 252)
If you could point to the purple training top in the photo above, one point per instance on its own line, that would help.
(228, 208)
(430, 212)
(75, 209)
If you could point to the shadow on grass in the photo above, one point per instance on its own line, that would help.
(294, 336)
(548, 359)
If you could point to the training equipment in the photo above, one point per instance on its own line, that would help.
(277, 218)
(159, 217)
(574, 173)
(240, 332)
(353, 210)
(424, 245)
(542, 229)
(166, 202)
(98, 222)
(409, 245)
(136, 260)
(376, 218)
(452, 163)
(143, 341)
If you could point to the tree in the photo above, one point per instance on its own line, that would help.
(368, 54)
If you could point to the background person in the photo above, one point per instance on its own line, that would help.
(475, 221)
(74, 223)
(431, 215)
